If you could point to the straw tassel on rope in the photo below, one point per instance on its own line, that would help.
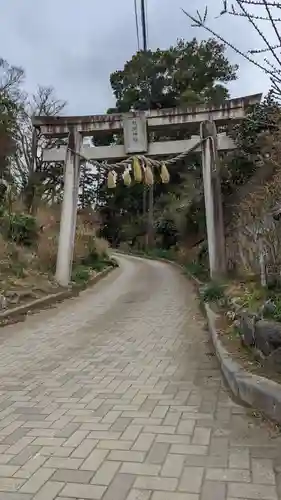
(137, 170)
(164, 174)
(127, 177)
(111, 179)
(148, 176)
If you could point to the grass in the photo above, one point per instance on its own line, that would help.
(212, 292)
(81, 274)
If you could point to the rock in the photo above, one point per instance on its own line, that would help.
(12, 297)
(231, 315)
(273, 361)
(267, 308)
(236, 324)
(247, 329)
(3, 302)
(267, 336)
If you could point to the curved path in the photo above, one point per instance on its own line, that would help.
(117, 395)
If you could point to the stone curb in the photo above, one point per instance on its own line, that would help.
(257, 392)
(50, 299)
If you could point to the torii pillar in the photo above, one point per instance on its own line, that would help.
(69, 208)
(213, 200)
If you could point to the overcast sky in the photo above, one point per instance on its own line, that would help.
(75, 45)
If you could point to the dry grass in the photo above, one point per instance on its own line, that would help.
(48, 219)
(86, 241)
(186, 254)
(30, 272)
(4, 253)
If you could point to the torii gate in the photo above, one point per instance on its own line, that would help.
(136, 126)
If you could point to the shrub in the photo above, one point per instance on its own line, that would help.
(276, 315)
(272, 309)
(161, 253)
(5, 255)
(92, 258)
(212, 292)
(98, 265)
(40, 236)
(81, 274)
(274, 285)
(18, 269)
(12, 259)
(20, 228)
(197, 269)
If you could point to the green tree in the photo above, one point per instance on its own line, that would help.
(188, 73)
(121, 210)
(89, 181)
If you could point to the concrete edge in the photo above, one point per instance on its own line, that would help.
(255, 391)
(51, 299)
(258, 392)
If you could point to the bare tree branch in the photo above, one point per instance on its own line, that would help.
(268, 67)
(272, 20)
(32, 175)
(199, 24)
(260, 2)
(258, 18)
(261, 51)
(260, 33)
(11, 77)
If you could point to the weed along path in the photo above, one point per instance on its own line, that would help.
(116, 395)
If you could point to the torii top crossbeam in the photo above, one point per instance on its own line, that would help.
(188, 118)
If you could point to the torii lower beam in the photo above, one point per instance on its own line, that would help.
(117, 153)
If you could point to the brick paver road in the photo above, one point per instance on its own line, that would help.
(116, 396)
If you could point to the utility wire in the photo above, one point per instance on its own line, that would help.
(144, 27)
(146, 18)
(137, 24)
(150, 203)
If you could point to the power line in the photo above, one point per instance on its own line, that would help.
(144, 27)
(146, 17)
(150, 221)
(150, 192)
(137, 23)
